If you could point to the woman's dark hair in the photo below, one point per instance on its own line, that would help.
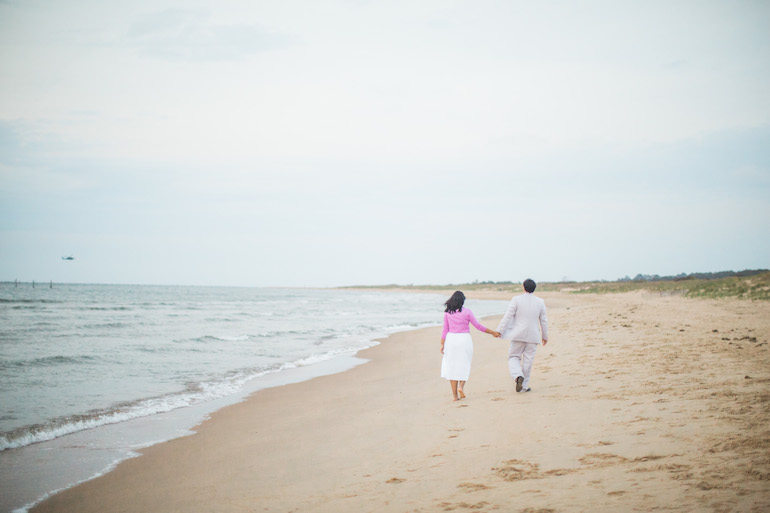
(455, 303)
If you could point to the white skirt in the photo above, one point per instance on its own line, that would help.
(458, 353)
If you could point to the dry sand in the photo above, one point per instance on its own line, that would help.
(639, 403)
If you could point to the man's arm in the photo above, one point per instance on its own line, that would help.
(543, 324)
(507, 319)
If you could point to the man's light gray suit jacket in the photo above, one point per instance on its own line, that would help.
(525, 320)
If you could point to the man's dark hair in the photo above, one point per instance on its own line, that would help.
(529, 285)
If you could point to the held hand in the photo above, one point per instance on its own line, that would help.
(545, 341)
(496, 334)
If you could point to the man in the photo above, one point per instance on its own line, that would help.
(525, 324)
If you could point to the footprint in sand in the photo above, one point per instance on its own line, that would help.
(448, 506)
(472, 487)
(516, 470)
(395, 480)
(598, 459)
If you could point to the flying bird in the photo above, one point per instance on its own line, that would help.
(68, 258)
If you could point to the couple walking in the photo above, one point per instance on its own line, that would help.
(525, 324)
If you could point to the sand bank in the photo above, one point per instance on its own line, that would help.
(639, 403)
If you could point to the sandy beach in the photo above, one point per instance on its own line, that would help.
(639, 403)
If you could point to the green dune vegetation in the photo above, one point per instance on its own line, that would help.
(749, 284)
(756, 286)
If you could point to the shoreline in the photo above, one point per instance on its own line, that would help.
(35, 472)
(604, 431)
(94, 457)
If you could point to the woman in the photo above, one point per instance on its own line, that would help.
(456, 343)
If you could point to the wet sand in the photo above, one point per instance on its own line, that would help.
(639, 403)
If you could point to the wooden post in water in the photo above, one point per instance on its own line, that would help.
(33, 284)
(51, 283)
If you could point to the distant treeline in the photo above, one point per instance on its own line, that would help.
(654, 277)
(696, 276)
(748, 284)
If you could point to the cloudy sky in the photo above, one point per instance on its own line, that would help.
(323, 143)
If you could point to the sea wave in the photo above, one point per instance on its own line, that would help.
(410, 326)
(105, 325)
(48, 361)
(263, 335)
(28, 301)
(194, 393)
(221, 338)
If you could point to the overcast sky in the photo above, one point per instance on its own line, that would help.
(324, 143)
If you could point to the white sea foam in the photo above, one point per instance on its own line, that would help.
(227, 338)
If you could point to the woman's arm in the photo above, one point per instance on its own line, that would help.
(479, 326)
(446, 327)
(443, 333)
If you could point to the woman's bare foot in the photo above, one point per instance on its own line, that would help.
(460, 393)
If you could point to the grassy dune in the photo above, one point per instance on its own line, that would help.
(752, 287)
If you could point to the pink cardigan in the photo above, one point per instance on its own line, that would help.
(458, 322)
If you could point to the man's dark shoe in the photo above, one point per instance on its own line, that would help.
(519, 383)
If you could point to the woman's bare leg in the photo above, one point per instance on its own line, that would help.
(453, 384)
(460, 386)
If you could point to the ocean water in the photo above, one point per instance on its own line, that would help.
(90, 373)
